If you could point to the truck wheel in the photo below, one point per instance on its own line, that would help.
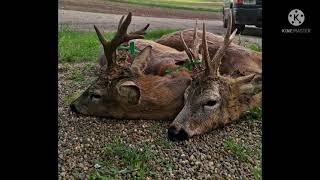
(225, 22)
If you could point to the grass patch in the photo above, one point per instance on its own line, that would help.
(237, 149)
(254, 46)
(195, 5)
(123, 159)
(164, 142)
(257, 173)
(254, 114)
(251, 45)
(69, 98)
(158, 33)
(76, 46)
(77, 76)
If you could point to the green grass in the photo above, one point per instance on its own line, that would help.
(196, 5)
(254, 114)
(164, 142)
(122, 159)
(76, 46)
(251, 45)
(257, 173)
(77, 76)
(69, 98)
(158, 33)
(237, 149)
(254, 46)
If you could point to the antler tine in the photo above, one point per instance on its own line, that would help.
(186, 49)
(220, 52)
(120, 22)
(195, 44)
(141, 31)
(230, 22)
(100, 36)
(120, 37)
(205, 53)
(122, 30)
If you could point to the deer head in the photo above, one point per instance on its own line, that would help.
(123, 90)
(213, 100)
(98, 98)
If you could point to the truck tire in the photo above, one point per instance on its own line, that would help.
(225, 22)
(224, 19)
(240, 27)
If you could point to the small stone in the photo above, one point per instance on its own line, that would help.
(97, 166)
(60, 156)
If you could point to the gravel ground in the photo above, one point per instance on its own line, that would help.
(82, 141)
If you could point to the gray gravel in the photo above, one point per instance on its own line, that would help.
(82, 139)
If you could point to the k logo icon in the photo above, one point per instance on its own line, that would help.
(296, 17)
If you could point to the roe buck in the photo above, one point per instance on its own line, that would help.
(137, 89)
(212, 99)
(237, 61)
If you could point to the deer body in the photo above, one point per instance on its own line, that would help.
(237, 61)
(138, 87)
(217, 95)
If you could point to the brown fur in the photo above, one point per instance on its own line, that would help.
(161, 93)
(238, 61)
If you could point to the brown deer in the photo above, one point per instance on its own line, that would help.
(131, 87)
(237, 61)
(212, 99)
(135, 87)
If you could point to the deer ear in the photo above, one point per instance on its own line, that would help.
(130, 92)
(140, 62)
(250, 86)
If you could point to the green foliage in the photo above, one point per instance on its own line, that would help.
(195, 5)
(185, 65)
(237, 149)
(69, 98)
(254, 46)
(123, 159)
(257, 173)
(77, 76)
(254, 114)
(76, 46)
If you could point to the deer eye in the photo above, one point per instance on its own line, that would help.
(211, 103)
(96, 96)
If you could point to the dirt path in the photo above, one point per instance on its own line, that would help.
(104, 6)
(84, 21)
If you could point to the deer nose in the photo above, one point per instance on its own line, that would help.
(175, 135)
(73, 108)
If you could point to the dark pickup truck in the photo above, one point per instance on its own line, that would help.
(245, 12)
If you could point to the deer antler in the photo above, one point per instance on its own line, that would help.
(205, 53)
(220, 52)
(192, 53)
(120, 37)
